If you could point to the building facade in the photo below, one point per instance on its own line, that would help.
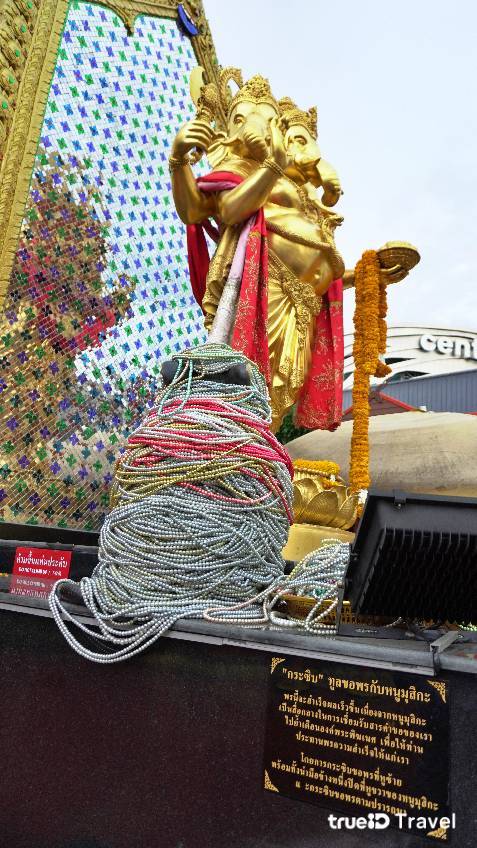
(433, 368)
(415, 351)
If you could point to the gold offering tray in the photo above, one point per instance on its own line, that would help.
(298, 606)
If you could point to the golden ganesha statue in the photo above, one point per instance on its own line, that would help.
(273, 287)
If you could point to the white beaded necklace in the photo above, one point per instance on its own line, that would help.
(195, 551)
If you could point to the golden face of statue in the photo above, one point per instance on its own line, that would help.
(304, 152)
(249, 129)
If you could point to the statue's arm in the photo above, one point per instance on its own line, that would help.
(192, 204)
(241, 202)
(391, 275)
(348, 279)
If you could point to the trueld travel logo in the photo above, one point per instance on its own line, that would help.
(381, 821)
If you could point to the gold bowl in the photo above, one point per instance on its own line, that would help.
(399, 254)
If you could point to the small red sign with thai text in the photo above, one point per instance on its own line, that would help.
(42, 562)
(31, 587)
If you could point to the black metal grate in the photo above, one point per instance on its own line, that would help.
(415, 556)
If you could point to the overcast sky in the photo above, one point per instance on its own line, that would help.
(395, 84)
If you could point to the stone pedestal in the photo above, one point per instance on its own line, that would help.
(167, 750)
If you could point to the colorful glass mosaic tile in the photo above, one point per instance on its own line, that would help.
(100, 292)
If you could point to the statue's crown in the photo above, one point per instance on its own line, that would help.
(255, 90)
(291, 114)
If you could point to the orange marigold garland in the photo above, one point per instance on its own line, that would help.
(327, 470)
(370, 333)
(318, 466)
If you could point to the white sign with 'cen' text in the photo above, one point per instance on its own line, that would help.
(460, 348)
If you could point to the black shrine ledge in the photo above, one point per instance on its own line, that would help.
(405, 654)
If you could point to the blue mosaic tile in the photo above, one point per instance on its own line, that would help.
(100, 292)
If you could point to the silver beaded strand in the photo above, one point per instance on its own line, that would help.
(193, 551)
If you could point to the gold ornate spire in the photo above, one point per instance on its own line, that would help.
(292, 114)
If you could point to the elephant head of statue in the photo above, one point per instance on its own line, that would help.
(248, 115)
(300, 132)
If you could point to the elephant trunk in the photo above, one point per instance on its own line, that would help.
(253, 137)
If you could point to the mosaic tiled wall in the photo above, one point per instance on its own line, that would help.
(99, 293)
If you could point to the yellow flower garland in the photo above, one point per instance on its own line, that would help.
(326, 469)
(370, 332)
(317, 466)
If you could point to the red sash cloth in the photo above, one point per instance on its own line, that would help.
(320, 402)
(320, 399)
(250, 327)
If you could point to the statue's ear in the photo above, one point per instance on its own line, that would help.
(218, 150)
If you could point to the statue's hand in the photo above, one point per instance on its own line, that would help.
(390, 275)
(195, 134)
(394, 274)
(277, 145)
